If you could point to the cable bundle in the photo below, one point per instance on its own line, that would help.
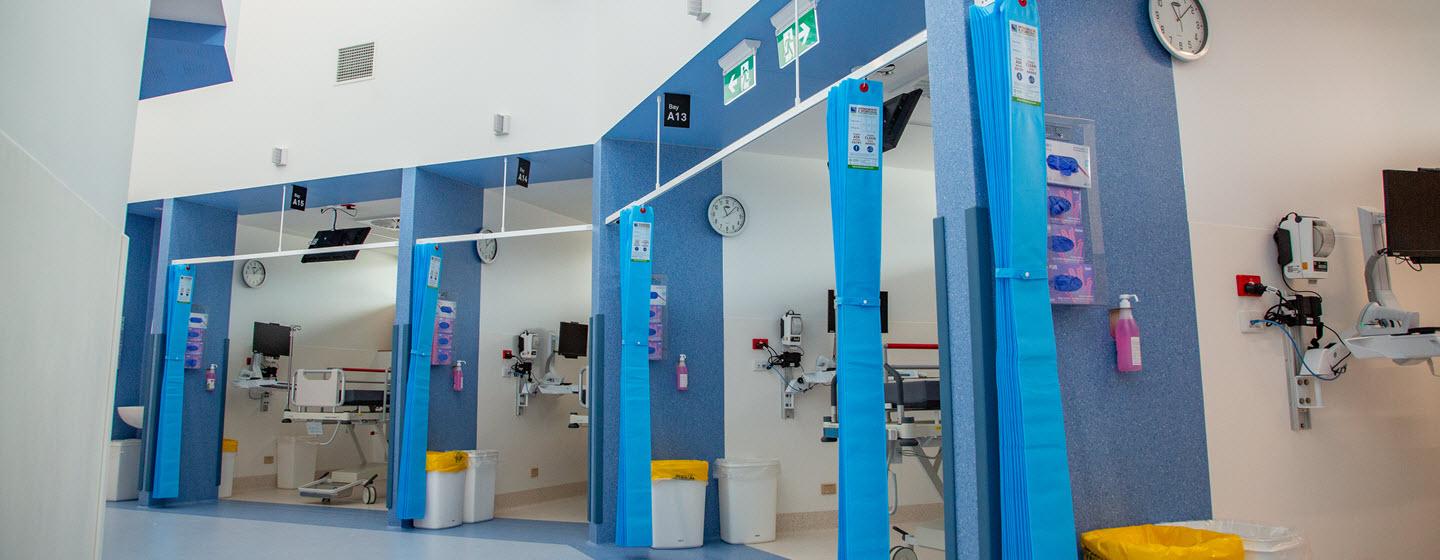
(1037, 515)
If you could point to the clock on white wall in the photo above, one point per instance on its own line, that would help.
(1182, 27)
(252, 273)
(727, 215)
(487, 249)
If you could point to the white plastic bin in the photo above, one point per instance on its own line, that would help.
(295, 461)
(677, 503)
(122, 470)
(228, 449)
(444, 489)
(1262, 542)
(749, 489)
(480, 485)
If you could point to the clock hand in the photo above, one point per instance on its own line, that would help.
(1187, 11)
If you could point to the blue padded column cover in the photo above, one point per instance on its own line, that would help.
(632, 497)
(855, 139)
(424, 290)
(180, 281)
(1037, 511)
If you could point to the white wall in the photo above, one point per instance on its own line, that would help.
(67, 110)
(535, 282)
(785, 260)
(1300, 110)
(346, 311)
(442, 70)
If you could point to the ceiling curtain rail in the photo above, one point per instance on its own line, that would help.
(902, 49)
(290, 253)
(503, 234)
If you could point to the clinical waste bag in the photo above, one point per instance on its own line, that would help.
(446, 461)
(680, 470)
(1160, 542)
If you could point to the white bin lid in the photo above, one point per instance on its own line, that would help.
(746, 468)
(484, 455)
(122, 443)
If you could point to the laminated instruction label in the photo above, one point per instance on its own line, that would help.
(1025, 63)
(432, 277)
(182, 293)
(640, 242)
(864, 152)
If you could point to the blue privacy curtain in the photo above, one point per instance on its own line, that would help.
(409, 501)
(1037, 513)
(632, 498)
(855, 138)
(180, 280)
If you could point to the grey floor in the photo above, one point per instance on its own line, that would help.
(245, 531)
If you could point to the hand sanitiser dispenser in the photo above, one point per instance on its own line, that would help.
(1127, 336)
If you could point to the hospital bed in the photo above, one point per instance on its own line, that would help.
(343, 398)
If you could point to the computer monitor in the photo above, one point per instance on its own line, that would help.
(897, 115)
(884, 312)
(336, 238)
(574, 339)
(1412, 214)
(271, 339)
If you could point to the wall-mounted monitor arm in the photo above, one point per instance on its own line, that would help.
(1383, 315)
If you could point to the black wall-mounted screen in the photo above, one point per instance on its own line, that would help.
(336, 238)
(272, 339)
(574, 339)
(1412, 214)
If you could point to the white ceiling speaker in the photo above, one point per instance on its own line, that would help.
(502, 124)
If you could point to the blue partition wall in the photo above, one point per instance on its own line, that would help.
(187, 230)
(689, 424)
(1136, 443)
(134, 318)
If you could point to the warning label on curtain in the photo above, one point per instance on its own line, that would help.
(864, 149)
(640, 242)
(1025, 63)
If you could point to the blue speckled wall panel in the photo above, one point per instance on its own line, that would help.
(139, 268)
(1137, 441)
(444, 206)
(181, 56)
(958, 174)
(690, 424)
(191, 230)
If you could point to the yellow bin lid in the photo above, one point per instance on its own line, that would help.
(446, 461)
(228, 445)
(680, 470)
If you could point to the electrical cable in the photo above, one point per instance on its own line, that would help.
(1298, 354)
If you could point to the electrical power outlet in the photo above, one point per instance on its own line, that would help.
(762, 366)
(534, 472)
(759, 343)
(1247, 320)
(269, 459)
(828, 489)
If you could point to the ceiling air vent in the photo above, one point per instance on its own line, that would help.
(355, 63)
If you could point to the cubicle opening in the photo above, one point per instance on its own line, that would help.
(779, 400)
(308, 398)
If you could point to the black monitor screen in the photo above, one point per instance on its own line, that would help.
(897, 115)
(574, 339)
(884, 312)
(336, 238)
(272, 339)
(1412, 214)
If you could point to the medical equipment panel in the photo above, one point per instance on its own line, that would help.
(1076, 249)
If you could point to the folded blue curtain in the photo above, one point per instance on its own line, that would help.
(1037, 510)
(632, 497)
(180, 280)
(409, 501)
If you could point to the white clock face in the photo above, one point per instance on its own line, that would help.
(486, 249)
(727, 215)
(1181, 27)
(253, 273)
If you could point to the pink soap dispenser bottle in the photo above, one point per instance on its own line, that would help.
(682, 375)
(1127, 336)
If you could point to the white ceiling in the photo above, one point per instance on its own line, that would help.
(194, 11)
(804, 136)
(567, 198)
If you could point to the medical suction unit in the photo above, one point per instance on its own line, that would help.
(1127, 336)
(682, 375)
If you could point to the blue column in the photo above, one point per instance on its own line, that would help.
(189, 229)
(135, 318)
(972, 511)
(685, 425)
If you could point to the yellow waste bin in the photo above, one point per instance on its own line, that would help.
(1158, 542)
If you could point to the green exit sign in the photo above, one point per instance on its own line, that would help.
(740, 79)
(798, 37)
